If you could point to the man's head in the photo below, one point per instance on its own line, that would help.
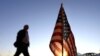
(26, 27)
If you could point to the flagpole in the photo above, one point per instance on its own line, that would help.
(63, 29)
(62, 46)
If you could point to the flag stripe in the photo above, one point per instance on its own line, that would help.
(57, 30)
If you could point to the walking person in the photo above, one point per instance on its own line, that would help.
(22, 42)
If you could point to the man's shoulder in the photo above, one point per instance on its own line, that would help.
(20, 31)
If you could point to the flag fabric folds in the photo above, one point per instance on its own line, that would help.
(62, 42)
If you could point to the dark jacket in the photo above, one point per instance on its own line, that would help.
(20, 36)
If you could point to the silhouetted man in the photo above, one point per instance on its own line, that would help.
(22, 41)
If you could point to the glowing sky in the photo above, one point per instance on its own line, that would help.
(41, 15)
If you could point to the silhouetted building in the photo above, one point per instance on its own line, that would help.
(89, 54)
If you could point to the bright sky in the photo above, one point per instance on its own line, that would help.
(41, 15)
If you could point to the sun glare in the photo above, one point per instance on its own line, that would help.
(64, 54)
(59, 53)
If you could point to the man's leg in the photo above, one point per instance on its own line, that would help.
(25, 51)
(18, 51)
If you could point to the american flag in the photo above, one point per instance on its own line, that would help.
(62, 42)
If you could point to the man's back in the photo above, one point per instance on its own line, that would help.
(20, 35)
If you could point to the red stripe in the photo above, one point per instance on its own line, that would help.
(57, 34)
(58, 27)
